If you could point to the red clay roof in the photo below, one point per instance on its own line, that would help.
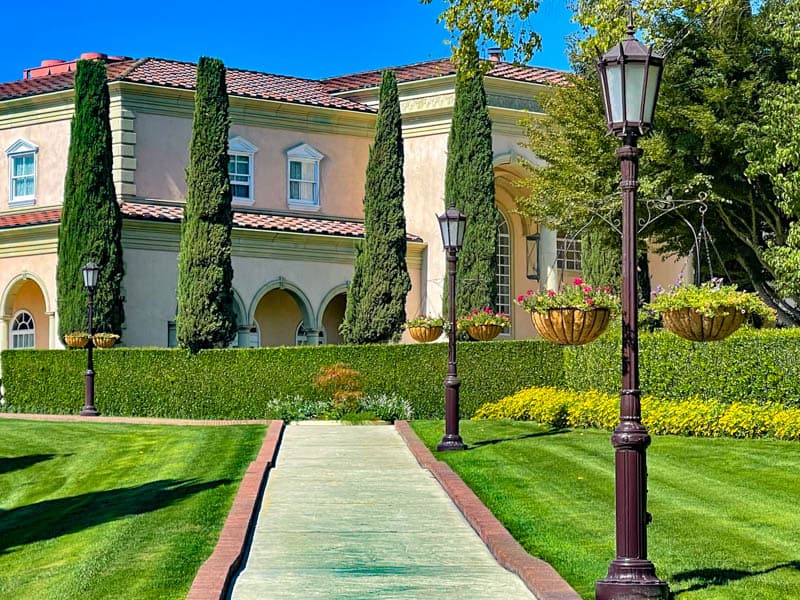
(176, 74)
(173, 214)
(440, 68)
(253, 84)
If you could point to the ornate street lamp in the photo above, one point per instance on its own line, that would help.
(630, 74)
(90, 274)
(453, 224)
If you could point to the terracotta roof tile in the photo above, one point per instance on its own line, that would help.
(56, 83)
(173, 214)
(441, 68)
(26, 219)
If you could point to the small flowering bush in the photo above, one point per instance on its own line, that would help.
(483, 316)
(578, 295)
(423, 321)
(711, 299)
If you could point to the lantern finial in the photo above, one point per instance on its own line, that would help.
(631, 30)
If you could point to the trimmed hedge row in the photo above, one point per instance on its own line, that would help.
(691, 417)
(754, 367)
(237, 383)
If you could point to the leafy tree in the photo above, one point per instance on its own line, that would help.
(775, 147)
(206, 317)
(376, 299)
(91, 222)
(469, 186)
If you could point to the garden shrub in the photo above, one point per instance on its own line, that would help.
(751, 366)
(259, 383)
(692, 417)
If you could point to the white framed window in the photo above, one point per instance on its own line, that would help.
(240, 169)
(22, 173)
(568, 253)
(303, 176)
(23, 331)
(503, 267)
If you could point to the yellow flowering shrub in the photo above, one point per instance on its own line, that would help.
(694, 416)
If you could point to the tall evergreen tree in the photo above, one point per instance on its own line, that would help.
(91, 222)
(469, 186)
(206, 317)
(376, 299)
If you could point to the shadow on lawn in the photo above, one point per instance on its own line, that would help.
(713, 577)
(15, 463)
(476, 445)
(53, 518)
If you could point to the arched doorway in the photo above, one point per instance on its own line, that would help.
(279, 308)
(25, 316)
(333, 315)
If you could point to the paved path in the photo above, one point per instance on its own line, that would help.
(349, 514)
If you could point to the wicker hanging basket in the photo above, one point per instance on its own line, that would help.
(571, 326)
(76, 341)
(106, 341)
(484, 333)
(426, 334)
(691, 325)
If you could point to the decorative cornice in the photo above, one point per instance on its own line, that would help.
(29, 241)
(33, 110)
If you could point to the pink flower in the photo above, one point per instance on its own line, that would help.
(587, 289)
(521, 298)
(529, 292)
(607, 289)
(577, 281)
(551, 293)
(589, 301)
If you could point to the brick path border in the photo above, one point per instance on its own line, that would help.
(541, 579)
(214, 578)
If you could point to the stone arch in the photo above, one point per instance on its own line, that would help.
(281, 290)
(330, 313)
(28, 292)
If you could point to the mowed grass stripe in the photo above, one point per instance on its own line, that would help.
(113, 511)
(725, 521)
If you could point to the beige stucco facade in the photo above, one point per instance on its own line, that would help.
(280, 278)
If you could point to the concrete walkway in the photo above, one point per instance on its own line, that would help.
(349, 514)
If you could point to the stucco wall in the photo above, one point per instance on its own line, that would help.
(51, 160)
(162, 157)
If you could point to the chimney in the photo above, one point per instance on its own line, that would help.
(54, 67)
(495, 55)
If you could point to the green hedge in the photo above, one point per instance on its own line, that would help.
(236, 383)
(750, 366)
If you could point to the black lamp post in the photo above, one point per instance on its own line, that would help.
(90, 273)
(630, 74)
(453, 224)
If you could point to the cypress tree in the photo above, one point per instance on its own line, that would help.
(469, 186)
(600, 258)
(206, 317)
(376, 300)
(91, 221)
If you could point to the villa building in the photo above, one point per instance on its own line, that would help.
(298, 156)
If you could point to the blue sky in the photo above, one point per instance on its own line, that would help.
(314, 38)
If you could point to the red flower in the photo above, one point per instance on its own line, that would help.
(520, 298)
(577, 281)
(587, 289)
(607, 289)
(589, 301)
(529, 292)
(551, 293)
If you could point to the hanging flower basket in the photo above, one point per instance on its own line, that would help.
(105, 340)
(76, 339)
(483, 333)
(425, 334)
(697, 327)
(571, 326)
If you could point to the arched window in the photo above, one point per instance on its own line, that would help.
(301, 337)
(503, 266)
(23, 331)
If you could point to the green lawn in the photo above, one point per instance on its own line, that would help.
(726, 520)
(113, 511)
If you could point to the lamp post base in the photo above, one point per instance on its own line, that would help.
(89, 411)
(631, 580)
(451, 442)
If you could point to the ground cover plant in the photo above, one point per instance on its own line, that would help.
(98, 511)
(725, 523)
